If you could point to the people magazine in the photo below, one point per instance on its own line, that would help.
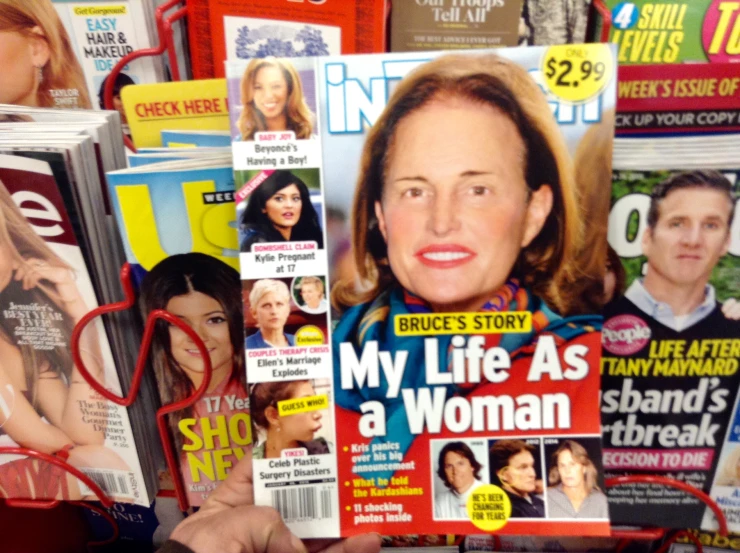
(420, 295)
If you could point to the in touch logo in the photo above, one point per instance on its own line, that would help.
(625, 335)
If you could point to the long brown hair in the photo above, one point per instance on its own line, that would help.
(179, 275)
(490, 80)
(24, 244)
(62, 71)
(580, 455)
(298, 114)
(593, 171)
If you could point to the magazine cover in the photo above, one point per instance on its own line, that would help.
(670, 357)
(178, 230)
(260, 28)
(421, 343)
(657, 32)
(453, 25)
(101, 34)
(45, 404)
(663, 99)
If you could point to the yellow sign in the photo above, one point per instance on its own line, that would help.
(309, 335)
(302, 405)
(489, 508)
(433, 324)
(577, 73)
(185, 105)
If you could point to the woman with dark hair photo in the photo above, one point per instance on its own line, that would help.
(574, 491)
(272, 100)
(280, 210)
(281, 432)
(206, 294)
(466, 202)
(459, 470)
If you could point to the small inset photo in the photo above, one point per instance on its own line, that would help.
(516, 467)
(271, 95)
(309, 293)
(279, 206)
(575, 478)
(291, 419)
(272, 319)
(459, 469)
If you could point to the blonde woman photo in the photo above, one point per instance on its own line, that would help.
(42, 393)
(37, 58)
(272, 98)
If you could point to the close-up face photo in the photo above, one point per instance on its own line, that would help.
(520, 474)
(271, 311)
(270, 91)
(690, 236)
(456, 210)
(207, 317)
(311, 295)
(572, 473)
(458, 470)
(283, 209)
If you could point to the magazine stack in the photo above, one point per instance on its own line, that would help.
(61, 256)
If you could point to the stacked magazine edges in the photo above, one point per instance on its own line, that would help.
(61, 255)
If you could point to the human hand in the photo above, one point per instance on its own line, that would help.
(229, 521)
(33, 271)
(731, 309)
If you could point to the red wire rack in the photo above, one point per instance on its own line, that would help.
(159, 314)
(52, 503)
(166, 45)
(165, 33)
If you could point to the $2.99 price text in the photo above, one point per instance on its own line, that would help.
(577, 73)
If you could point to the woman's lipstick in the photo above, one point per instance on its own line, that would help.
(444, 256)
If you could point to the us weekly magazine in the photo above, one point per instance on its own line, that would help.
(421, 341)
(177, 223)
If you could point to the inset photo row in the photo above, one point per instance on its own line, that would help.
(285, 312)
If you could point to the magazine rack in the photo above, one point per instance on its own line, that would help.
(166, 44)
(130, 298)
(52, 503)
(606, 15)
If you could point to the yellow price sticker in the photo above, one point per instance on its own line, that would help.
(578, 73)
(489, 508)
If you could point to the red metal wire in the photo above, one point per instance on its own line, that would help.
(44, 503)
(607, 16)
(154, 51)
(141, 362)
(107, 516)
(169, 37)
(663, 481)
(626, 536)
